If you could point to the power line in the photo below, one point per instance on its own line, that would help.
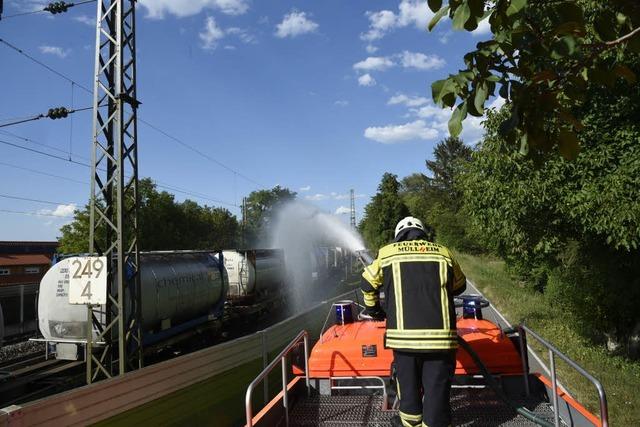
(77, 181)
(158, 183)
(42, 64)
(26, 199)
(200, 153)
(152, 126)
(34, 213)
(53, 8)
(53, 114)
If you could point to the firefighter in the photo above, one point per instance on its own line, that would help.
(419, 279)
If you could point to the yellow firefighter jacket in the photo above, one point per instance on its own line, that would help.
(419, 279)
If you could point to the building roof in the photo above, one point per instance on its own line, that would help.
(23, 259)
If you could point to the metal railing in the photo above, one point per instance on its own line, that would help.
(553, 351)
(282, 358)
(382, 386)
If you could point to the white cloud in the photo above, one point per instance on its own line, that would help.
(379, 23)
(62, 211)
(294, 24)
(341, 103)
(438, 119)
(409, 101)
(331, 196)
(483, 28)
(391, 134)
(342, 210)
(158, 9)
(211, 34)
(374, 63)
(410, 12)
(55, 50)
(229, 47)
(316, 197)
(84, 19)
(371, 48)
(420, 61)
(444, 36)
(414, 12)
(244, 35)
(29, 5)
(366, 80)
(305, 188)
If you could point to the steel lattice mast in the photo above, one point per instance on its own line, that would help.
(352, 210)
(114, 194)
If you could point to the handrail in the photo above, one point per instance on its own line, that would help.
(303, 335)
(604, 412)
(383, 387)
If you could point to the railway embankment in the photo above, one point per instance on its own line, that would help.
(521, 304)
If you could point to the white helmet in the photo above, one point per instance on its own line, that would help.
(408, 222)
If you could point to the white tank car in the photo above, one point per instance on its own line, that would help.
(254, 272)
(176, 287)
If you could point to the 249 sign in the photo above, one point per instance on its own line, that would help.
(88, 280)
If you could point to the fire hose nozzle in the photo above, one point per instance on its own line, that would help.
(365, 257)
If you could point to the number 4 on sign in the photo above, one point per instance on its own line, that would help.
(86, 292)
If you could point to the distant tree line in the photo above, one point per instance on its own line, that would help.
(166, 224)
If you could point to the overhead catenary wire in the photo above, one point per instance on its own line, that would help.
(38, 172)
(159, 184)
(152, 126)
(27, 199)
(51, 8)
(35, 213)
(53, 113)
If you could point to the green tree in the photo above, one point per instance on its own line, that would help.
(449, 157)
(383, 213)
(542, 56)
(259, 208)
(164, 224)
(571, 227)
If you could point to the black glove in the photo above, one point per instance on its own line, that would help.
(373, 313)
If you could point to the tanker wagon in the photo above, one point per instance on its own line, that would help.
(179, 291)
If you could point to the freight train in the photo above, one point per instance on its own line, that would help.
(181, 292)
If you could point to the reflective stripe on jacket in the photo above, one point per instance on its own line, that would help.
(419, 279)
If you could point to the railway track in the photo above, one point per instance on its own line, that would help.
(32, 376)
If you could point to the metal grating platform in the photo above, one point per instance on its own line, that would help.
(330, 411)
(482, 407)
(471, 407)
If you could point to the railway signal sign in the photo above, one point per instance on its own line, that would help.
(88, 280)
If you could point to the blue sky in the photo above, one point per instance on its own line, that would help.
(316, 96)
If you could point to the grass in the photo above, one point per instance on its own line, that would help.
(619, 376)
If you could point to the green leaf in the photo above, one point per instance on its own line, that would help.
(568, 144)
(570, 27)
(524, 145)
(516, 6)
(460, 16)
(434, 5)
(605, 25)
(443, 11)
(436, 90)
(455, 122)
(481, 95)
(570, 12)
(563, 47)
(507, 126)
(625, 72)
